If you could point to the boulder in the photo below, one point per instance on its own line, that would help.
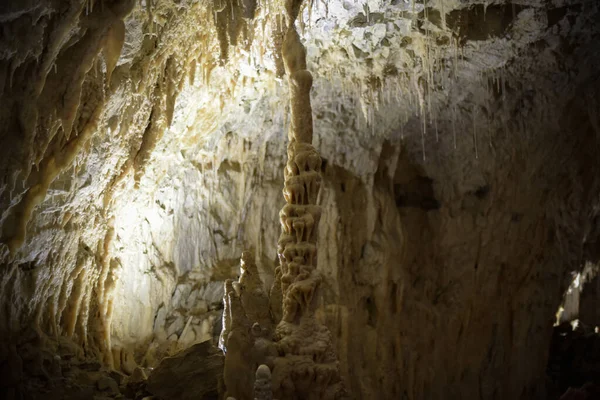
(195, 373)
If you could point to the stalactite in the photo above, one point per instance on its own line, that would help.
(115, 38)
(103, 291)
(157, 124)
(50, 169)
(229, 18)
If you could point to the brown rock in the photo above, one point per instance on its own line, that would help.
(107, 384)
(138, 375)
(194, 373)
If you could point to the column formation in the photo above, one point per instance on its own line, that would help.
(299, 352)
(297, 249)
(307, 366)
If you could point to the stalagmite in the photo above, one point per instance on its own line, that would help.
(262, 385)
(276, 297)
(307, 367)
(247, 330)
(115, 38)
(299, 352)
(254, 300)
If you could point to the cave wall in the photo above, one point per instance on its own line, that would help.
(89, 96)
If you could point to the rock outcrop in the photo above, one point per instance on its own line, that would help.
(195, 373)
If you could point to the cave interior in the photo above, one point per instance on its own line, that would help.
(300, 199)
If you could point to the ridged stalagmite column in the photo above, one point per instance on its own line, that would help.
(307, 367)
(297, 248)
(299, 353)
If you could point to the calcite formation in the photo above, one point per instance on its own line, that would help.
(246, 335)
(262, 384)
(252, 296)
(191, 374)
(307, 367)
(304, 363)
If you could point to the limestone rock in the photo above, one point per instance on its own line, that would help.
(107, 384)
(262, 384)
(138, 375)
(194, 373)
